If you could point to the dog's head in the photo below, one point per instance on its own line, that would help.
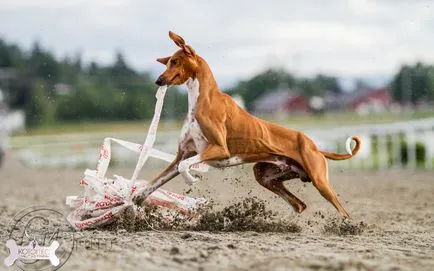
(180, 66)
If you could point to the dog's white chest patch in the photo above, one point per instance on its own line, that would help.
(198, 137)
(191, 127)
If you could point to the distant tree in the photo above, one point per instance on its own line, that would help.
(12, 63)
(77, 63)
(93, 69)
(70, 69)
(121, 74)
(261, 83)
(39, 109)
(42, 64)
(5, 55)
(318, 85)
(329, 83)
(414, 83)
(175, 104)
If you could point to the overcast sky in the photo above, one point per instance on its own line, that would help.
(237, 38)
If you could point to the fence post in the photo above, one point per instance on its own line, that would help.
(382, 151)
(371, 159)
(429, 148)
(396, 149)
(411, 149)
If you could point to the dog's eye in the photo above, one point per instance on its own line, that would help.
(173, 62)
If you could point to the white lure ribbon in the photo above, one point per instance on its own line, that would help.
(104, 198)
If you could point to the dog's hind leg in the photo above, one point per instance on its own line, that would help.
(315, 166)
(271, 177)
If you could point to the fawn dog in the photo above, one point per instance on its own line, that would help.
(221, 134)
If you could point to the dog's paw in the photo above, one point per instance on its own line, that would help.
(188, 178)
(140, 198)
(183, 166)
(197, 176)
(191, 181)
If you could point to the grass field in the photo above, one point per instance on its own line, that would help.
(297, 122)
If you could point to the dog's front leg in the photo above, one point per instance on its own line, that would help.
(215, 132)
(169, 173)
(217, 149)
(184, 168)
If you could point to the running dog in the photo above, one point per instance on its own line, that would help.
(221, 134)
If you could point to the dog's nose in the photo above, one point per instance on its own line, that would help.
(159, 81)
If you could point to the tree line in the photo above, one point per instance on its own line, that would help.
(414, 84)
(95, 92)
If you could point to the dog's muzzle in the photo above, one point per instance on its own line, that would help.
(159, 81)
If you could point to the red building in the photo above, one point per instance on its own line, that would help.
(374, 100)
(363, 101)
(281, 101)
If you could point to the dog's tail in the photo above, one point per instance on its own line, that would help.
(350, 152)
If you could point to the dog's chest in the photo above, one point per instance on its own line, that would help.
(191, 128)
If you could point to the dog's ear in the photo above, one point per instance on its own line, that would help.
(177, 39)
(163, 60)
(181, 43)
(189, 50)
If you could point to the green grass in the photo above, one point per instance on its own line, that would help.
(101, 126)
(297, 122)
(346, 118)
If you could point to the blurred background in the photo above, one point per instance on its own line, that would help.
(74, 72)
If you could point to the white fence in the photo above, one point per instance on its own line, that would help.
(12, 121)
(408, 144)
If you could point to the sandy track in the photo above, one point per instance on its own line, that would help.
(397, 208)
